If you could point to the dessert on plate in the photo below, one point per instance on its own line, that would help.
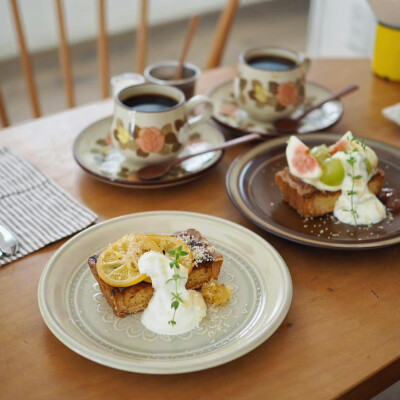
(159, 274)
(343, 179)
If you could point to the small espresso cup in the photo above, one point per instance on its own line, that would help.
(163, 72)
(270, 82)
(121, 81)
(151, 122)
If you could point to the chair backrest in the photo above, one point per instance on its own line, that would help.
(214, 58)
(65, 59)
(26, 61)
(141, 38)
(221, 34)
(3, 113)
(102, 50)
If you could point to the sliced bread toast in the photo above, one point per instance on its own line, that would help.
(311, 202)
(132, 299)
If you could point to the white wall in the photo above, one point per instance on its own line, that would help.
(340, 28)
(39, 19)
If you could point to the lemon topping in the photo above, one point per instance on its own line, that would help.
(118, 264)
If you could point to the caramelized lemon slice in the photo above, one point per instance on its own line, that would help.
(118, 266)
(167, 243)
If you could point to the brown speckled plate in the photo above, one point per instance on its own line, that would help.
(251, 186)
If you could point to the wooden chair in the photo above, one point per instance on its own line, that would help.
(102, 46)
(3, 113)
(26, 61)
(220, 39)
(65, 59)
(221, 34)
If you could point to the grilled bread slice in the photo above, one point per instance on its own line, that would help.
(207, 262)
(132, 299)
(123, 300)
(311, 202)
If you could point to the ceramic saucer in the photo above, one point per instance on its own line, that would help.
(231, 117)
(94, 152)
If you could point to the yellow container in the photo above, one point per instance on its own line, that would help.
(386, 62)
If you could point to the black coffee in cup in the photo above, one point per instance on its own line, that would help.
(271, 63)
(150, 102)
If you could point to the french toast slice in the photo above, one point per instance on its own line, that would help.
(207, 261)
(132, 299)
(311, 202)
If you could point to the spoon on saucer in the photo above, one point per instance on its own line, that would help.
(290, 125)
(157, 171)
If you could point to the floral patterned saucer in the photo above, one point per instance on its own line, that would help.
(95, 153)
(232, 118)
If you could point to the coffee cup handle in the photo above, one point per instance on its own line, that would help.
(205, 115)
(306, 65)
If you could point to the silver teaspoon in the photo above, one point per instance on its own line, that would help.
(9, 244)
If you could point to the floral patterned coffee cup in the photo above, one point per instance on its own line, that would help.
(151, 137)
(268, 95)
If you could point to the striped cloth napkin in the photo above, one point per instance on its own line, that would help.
(32, 206)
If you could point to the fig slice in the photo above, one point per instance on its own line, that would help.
(301, 163)
(343, 144)
(348, 143)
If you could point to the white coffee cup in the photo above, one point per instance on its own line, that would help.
(268, 93)
(148, 132)
(121, 81)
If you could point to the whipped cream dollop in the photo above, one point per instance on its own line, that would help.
(158, 313)
(356, 195)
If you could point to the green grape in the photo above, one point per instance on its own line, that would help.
(368, 165)
(332, 172)
(321, 153)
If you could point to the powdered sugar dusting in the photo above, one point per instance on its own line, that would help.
(202, 251)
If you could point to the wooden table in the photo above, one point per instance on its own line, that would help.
(341, 337)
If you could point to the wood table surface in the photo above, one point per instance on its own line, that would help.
(341, 337)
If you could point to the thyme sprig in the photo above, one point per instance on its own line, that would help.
(351, 160)
(176, 297)
(359, 142)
